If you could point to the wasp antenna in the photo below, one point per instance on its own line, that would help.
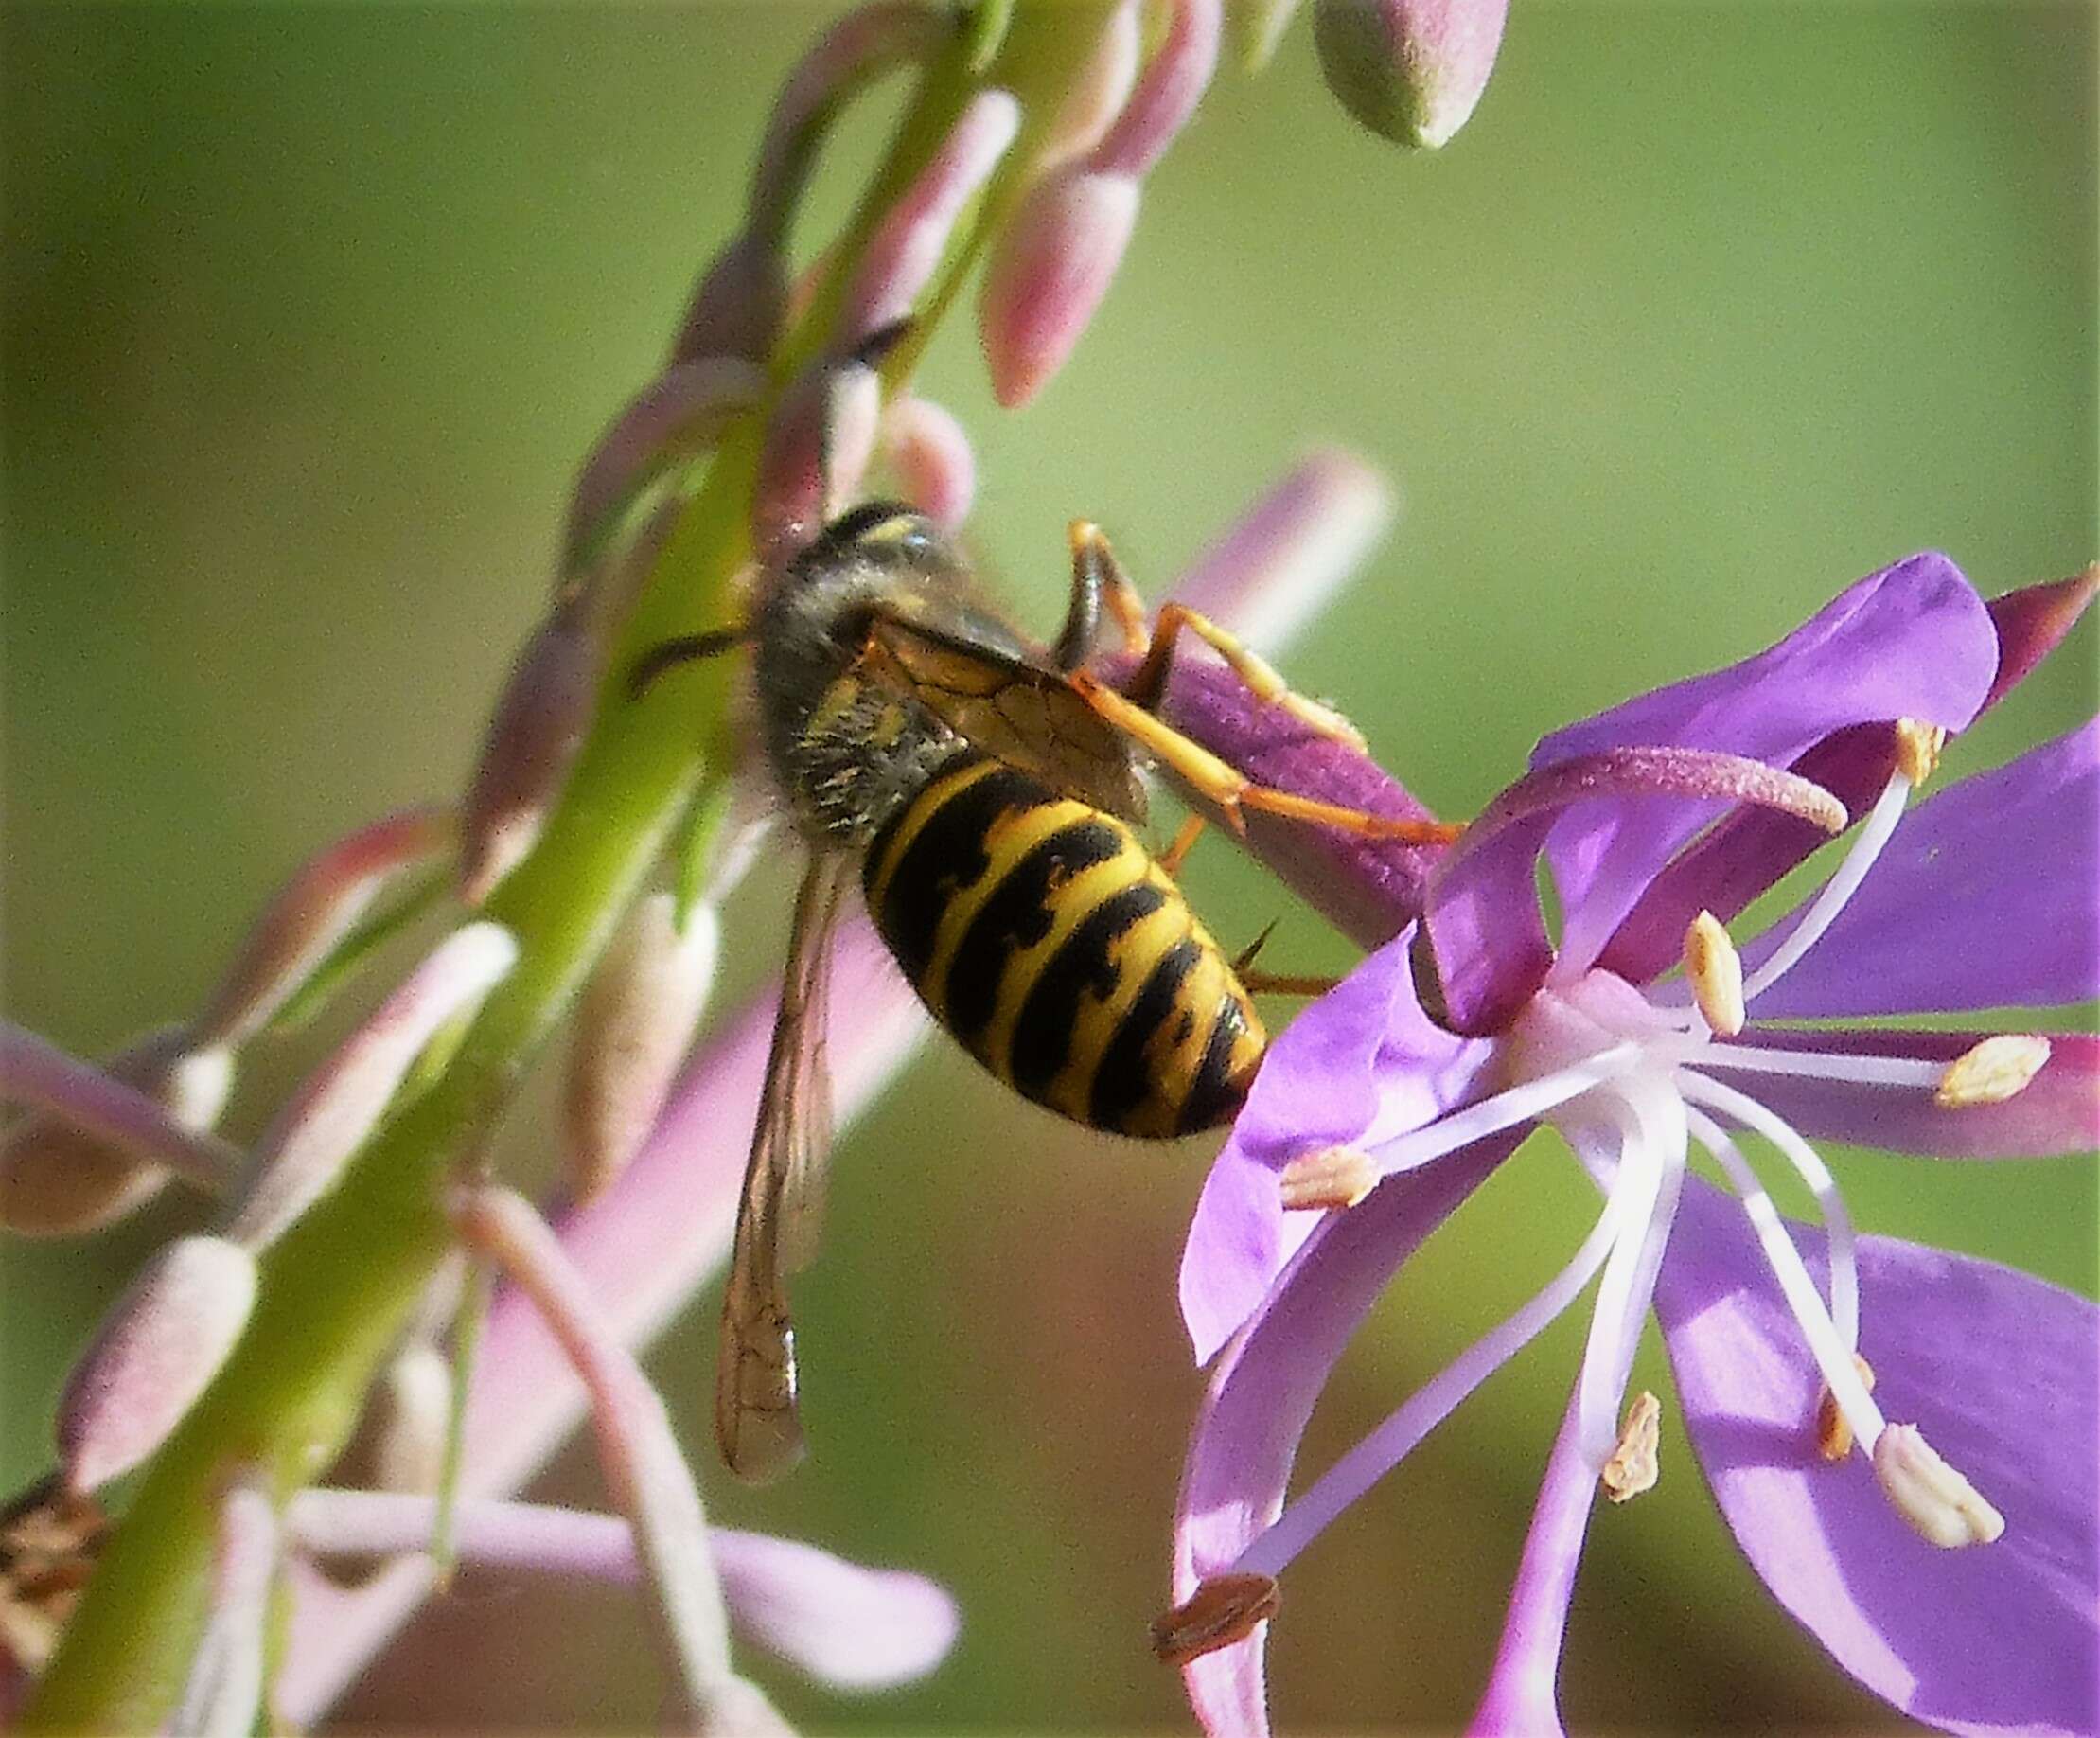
(871, 351)
(686, 648)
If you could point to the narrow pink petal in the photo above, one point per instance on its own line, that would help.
(222, 1698)
(1263, 1389)
(1167, 92)
(1522, 1699)
(304, 1150)
(927, 450)
(1998, 1371)
(2057, 1113)
(845, 1626)
(642, 1247)
(1047, 273)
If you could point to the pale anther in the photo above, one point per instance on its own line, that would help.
(1332, 1177)
(1714, 970)
(1992, 1072)
(1918, 747)
(1834, 1437)
(1633, 1466)
(1224, 1609)
(1943, 1506)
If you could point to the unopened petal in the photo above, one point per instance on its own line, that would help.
(1410, 70)
(1049, 271)
(846, 1626)
(1998, 1369)
(164, 1340)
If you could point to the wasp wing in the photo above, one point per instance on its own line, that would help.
(992, 693)
(756, 1423)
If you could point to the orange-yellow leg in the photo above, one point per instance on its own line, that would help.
(1230, 791)
(1263, 681)
(1175, 855)
(1099, 578)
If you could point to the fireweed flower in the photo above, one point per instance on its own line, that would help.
(1845, 1394)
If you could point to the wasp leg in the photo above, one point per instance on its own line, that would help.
(1149, 686)
(686, 648)
(1098, 580)
(1176, 854)
(1225, 786)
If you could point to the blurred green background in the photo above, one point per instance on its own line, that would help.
(310, 313)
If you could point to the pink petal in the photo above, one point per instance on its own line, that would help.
(846, 1626)
(1998, 1369)
(2057, 1113)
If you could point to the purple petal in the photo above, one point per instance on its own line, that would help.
(1522, 1699)
(2057, 1113)
(1727, 867)
(1998, 1371)
(846, 1626)
(1262, 1392)
(1912, 641)
(1488, 936)
(1985, 898)
(1364, 1048)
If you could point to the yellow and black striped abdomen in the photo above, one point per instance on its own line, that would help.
(1041, 933)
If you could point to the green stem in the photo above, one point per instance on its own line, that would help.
(338, 1288)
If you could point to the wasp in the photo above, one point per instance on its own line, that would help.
(988, 791)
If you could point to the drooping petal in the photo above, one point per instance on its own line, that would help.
(1912, 641)
(1522, 1699)
(1985, 898)
(2059, 1112)
(846, 1626)
(1730, 864)
(1364, 1053)
(1998, 1369)
(1247, 1433)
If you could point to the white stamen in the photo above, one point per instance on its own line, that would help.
(1946, 1508)
(1651, 1174)
(1272, 1548)
(1837, 890)
(1332, 1177)
(1992, 1072)
(1714, 970)
(1832, 1356)
(1505, 1109)
(1822, 1065)
(1809, 1165)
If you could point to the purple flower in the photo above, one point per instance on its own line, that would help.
(1813, 1368)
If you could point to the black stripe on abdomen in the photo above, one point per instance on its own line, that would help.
(1019, 913)
(1043, 1032)
(1123, 1081)
(943, 853)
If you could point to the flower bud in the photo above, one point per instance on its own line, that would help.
(301, 1154)
(679, 412)
(1410, 70)
(532, 742)
(1098, 92)
(817, 451)
(57, 1178)
(310, 916)
(1049, 271)
(928, 453)
(1258, 26)
(632, 1029)
(738, 305)
(160, 1347)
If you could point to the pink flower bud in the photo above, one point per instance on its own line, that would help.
(532, 742)
(1047, 273)
(310, 916)
(678, 414)
(97, 1153)
(302, 1153)
(817, 450)
(160, 1347)
(907, 246)
(928, 453)
(738, 305)
(1101, 88)
(1167, 93)
(1410, 70)
(1258, 26)
(632, 1029)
